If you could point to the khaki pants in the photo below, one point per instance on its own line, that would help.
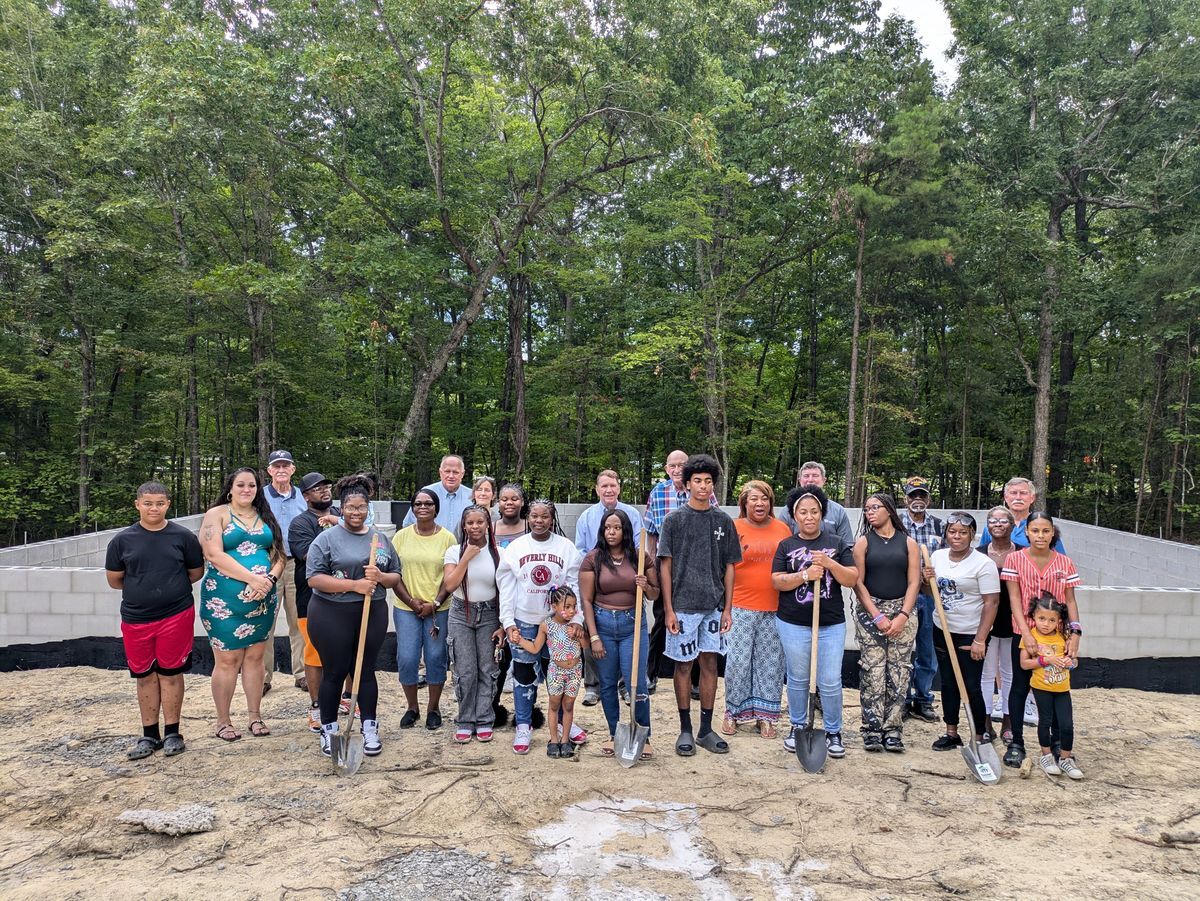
(287, 600)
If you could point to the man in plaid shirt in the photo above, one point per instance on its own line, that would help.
(926, 530)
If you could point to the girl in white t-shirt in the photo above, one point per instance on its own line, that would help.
(474, 624)
(969, 583)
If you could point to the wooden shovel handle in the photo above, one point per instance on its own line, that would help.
(637, 627)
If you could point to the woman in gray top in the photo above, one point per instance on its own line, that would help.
(347, 563)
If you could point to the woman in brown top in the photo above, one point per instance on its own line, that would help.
(608, 583)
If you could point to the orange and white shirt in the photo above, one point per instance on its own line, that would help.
(1059, 574)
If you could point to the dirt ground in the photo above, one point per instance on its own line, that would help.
(750, 824)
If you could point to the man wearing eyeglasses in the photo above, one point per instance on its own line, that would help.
(926, 530)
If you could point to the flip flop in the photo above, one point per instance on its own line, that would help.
(685, 745)
(226, 732)
(144, 747)
(259, 729)
(713, 743)
(608, 749)
(728, 726)
(767, 729)
(173, 744)
(647, 752)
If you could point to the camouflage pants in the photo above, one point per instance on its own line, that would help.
(886, 665)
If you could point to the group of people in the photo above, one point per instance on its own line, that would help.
(482, 580)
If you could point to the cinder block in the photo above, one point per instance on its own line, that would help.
(1167, 647)
(1097, 625)
(1144, 625)
(13, 626)
(1102, 600)
(1170, 603)
(1109, 648)
(1183, 627)
(49, 624)
(46, 579)
(73, 602)
(91, 625)
(93, 580)
(27, 601)
(13, 580)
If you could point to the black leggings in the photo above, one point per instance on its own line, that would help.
(1056, 723)
(972, 673)
(1018, 693)
(333, 631)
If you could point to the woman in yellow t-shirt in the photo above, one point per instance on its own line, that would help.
(422, 606)
(1050, 679)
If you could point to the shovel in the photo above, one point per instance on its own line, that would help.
(981, 759)
(630, 740)
(811, 749)
(346, 748)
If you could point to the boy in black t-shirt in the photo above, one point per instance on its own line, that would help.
(154, 564)
(696, 553)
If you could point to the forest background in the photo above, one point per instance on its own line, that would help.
(559, 236)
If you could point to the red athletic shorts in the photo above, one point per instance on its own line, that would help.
(163, 646)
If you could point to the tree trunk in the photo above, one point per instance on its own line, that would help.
(87, 393)
(1045, 354)
(1059, 446)
(860, 223)
(514, 440)
(1160, 366)
(1179, 441)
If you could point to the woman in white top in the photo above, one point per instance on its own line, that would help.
(474, 624)
(969, 584)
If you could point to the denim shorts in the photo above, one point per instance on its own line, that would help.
(699, 633)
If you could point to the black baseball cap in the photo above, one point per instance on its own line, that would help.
(277, 455)
(915, 484)
(311, 480)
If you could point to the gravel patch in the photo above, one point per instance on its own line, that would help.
(455, 875)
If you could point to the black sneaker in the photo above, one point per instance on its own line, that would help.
(1014, 756)
(893, 743)
(948, 742)
(433, 720)
(833, 744)
(872, 742)
(923, 710)
(411, 718)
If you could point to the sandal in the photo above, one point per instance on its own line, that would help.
(226, 732)
(728, 726)
(647, 752)
(173, 744)
(144, 747)
(259, 729)
(710, 742)
(685, 745)
(766, 729)
(608, 749)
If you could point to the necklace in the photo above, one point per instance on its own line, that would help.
(888, 538)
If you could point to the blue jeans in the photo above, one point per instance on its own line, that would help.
(797, 650)
(525, 695)
(413, 636)
(615, 628)
(920, 688)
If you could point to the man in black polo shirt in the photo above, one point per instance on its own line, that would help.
(154, 564)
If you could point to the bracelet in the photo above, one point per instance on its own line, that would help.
(978, 641)
(274, 579)
(877, 618)
(1041, 660)
(904, 613)
(595, 638)
(1075, 626)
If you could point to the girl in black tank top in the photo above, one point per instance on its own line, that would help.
(884, 623)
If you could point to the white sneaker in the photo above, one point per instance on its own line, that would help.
(998, 709)
(591, 698)
(327, 730)
(371, 743)
(522, 738)
(1070, 767)
(578, 736)
(1049, 767)
(789, 741)
(1031, 715)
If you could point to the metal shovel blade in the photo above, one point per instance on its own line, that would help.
(811, 749)
(347, 753)
(629, 743)
(984, 764)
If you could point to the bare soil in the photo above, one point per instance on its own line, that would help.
(749, 824)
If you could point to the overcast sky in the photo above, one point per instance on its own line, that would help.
(934, 29)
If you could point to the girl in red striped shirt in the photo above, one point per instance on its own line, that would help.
(1030, 572)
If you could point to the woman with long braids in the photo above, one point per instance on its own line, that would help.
(346, 563)
(243, 547)
(529, 567)
(890, 569)
(474, 623)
